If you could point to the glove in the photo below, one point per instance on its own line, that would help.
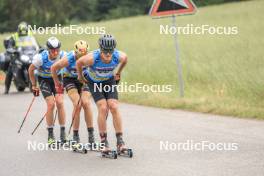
(35, 91)
(59, 88)
(117, 78)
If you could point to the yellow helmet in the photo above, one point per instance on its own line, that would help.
(81, 47)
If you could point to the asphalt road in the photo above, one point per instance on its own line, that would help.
(146, 131)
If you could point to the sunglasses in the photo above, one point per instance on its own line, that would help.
(110, 51)
(53, 51)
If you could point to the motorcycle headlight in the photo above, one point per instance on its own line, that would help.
(25, 58)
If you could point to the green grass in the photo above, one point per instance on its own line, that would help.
(223, 74)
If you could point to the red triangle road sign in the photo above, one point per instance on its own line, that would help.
(172, 7)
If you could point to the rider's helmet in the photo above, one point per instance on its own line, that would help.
(81, 48)
(22, 29)
(107, 43)
(53, 43)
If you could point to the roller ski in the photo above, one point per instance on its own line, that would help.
(79, 148)
(122, 150)
(76, 145)
(106, 152)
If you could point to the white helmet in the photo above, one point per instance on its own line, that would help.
(53, 43)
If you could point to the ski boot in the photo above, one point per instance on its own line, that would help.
(106, 152)
(122, 150)
(51, 138)
(63, 139)
(92, 146)
(76, 145)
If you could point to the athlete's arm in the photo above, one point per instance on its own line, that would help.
(31, 75)
(122, 62)
(57, 66)
(84, 61)
(36, 63)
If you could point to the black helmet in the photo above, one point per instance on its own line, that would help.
(53, 43)
(107, 42)
(22, 28)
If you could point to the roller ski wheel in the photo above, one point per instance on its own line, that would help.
(106, 152)
(94, 147)
(79, 148)
(123, 151)
(109, 154)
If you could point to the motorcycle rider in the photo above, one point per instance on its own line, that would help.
(15, 41)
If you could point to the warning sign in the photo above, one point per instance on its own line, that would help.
(172, 7)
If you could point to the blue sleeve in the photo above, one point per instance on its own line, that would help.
(96, 56)
(70, 57)
(62, 54)
(116, 56)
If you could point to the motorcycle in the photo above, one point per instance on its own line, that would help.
(21, 58)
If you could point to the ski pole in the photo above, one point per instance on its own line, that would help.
(26, 115)
(74, 113)
(38, 124)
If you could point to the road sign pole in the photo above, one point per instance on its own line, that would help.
(179, 66)
(166, 8)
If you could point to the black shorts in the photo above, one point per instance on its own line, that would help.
(73, 83)
(47, 86)
(103, 90)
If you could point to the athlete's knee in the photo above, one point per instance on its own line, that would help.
(50, 104)
(59, 103)
(102, 108)
(75, 102)
(86, 104)
(113, 106)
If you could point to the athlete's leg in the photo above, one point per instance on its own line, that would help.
(61, 115)
(112, 102)
(49, 118)
(74, 96)
(60, 108)
(50, 108)
(102, 112)
(117, 121)
(101, 104)
(86, 104)
(46, 90)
